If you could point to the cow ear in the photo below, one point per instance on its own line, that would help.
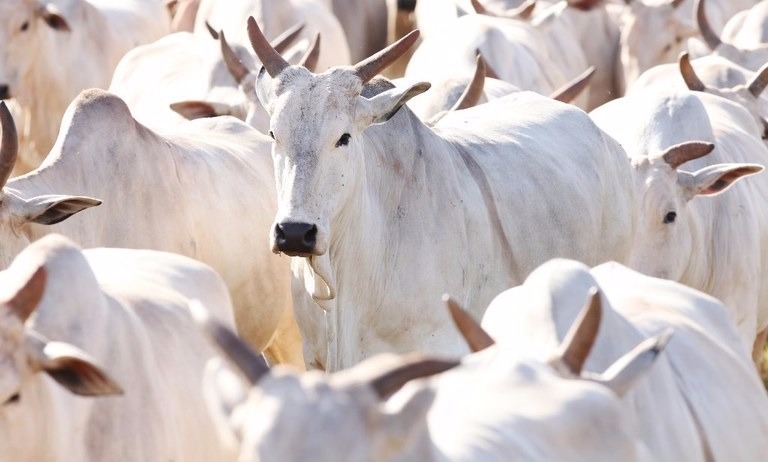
(70, 367)
(383, 106)
(715, 179)
(51, 209)
(53, 17)
(623, 374)
(225, 395)
(265, 91)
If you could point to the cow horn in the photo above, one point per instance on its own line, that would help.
(270, 58)
(284, 40)
(692, 81)
(413, 367)
(709, 35)
(309, 60)
(9, 144)
(681, 153)
(676, 3)
(581, 336)
(759, 82)
(234, 65)
(211, 30)
(479, 8)
(477, 338)
(489, 72)
(252, 365)
(474, 91)
(583, 5)
(369, 67)
(573, 89)
(24, 302)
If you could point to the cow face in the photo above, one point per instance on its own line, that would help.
(24, 24)
(650, 35)
(666, 233)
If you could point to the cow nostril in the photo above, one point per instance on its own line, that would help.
(311, 236)
(5, 92)
(295, 238)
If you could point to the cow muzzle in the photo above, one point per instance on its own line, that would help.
(295, 239)
(5, 91)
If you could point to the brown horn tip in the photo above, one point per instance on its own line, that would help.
(474, 91)
(475, 336)
(709, 34)
(284, 40)
(479, 8)
(231, 60)
(489, 72)
(573, 89)
(371, 66)
(583, 5)
(9, 144)
(759, 82)
(412, 368)
(310, 58)
(270, 58)
(580, 338)
(692, 80)
(681, 153)
(211, 30)
(252, 365)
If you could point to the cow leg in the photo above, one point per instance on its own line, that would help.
(286, 346)
(758, 352)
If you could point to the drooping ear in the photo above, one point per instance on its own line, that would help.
(53, 208)
(71, 367)
(623, 374)
(53, 17)
(224, 394)
(383, 106)
(265, 90)
(715, 179)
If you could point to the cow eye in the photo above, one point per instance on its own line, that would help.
(271, 134)
(25, 26)
(670, 217)
(14, 398)
(344, 140)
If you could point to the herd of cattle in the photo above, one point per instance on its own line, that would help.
(275, 258)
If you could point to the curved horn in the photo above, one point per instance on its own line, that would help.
(681, 153)
(270, 58)
(234, 65)
(211, 30)
(573, 89)
(709, 34)
(474, 91)
(284, 40)
(581, 336)
(9, 144)
(692, 81)
(477, 338)
(369, 67)
(391, 380)
(759, 82)
(489, 72)
(252, 365)
(309, 60)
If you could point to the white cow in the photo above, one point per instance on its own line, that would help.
(687, 231)
(382, 212)
(275, 16)
(365, 25)
(433, 16)
(64, 311)
(704, 388)
(494, 406)
(205, 190)
(51, 50)
(655, 33)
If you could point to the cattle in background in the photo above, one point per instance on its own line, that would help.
(276, 16)
(51, 50)
(365, 24)
(361, 202)
(204, 190)
(686, 230)
(702, 387)
(64, 312)
(528, 409)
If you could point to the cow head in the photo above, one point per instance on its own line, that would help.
(25, 355)
(17, 211)
(665, 234)
(316, 123)
(650, 35)
(24, 25)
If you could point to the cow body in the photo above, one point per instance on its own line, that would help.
(127, 309)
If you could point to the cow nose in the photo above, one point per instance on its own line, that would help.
(296, 239)
(5, 92)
